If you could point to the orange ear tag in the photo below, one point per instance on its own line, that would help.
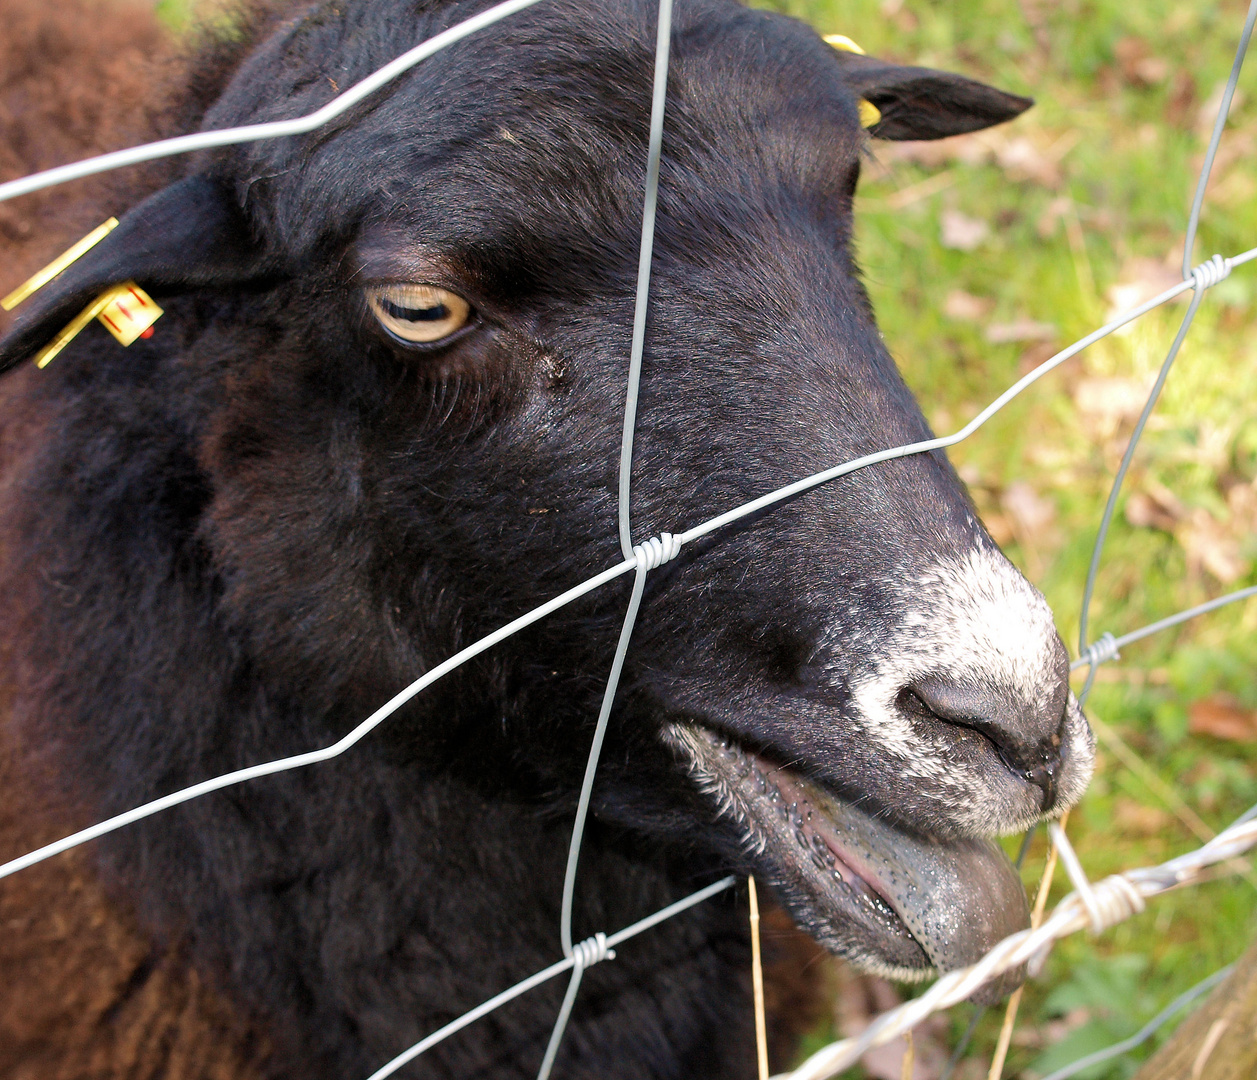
(870, 114)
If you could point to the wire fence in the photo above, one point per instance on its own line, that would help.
(1097, 906)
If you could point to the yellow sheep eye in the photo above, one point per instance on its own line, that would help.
(424, 314)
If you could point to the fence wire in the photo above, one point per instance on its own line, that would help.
(1095, 906)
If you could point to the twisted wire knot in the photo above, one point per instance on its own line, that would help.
(1116, 900)
(1208, 274)
(591, 951)
(1113, 900)
(657, 550)
(1102, 650)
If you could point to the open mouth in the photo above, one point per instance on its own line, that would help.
(897, 904)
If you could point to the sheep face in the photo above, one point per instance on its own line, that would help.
(398, 351)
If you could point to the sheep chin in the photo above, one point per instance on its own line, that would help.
(894, 903)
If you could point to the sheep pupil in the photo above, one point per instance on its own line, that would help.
(407, 314)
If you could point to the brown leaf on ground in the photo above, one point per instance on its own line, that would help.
(1155, 507)
(1032, 514)
(861, 999)
(1133, 817)
(1000, 528)
(1022, 159)
(1107, 403)
(1179, 109)
(966, 307)
(1210, 546)
(1139, 280)
(1034, 356)
(1241, 500)
(1034, 156)
(1208, 112)
(962, 232)
(1137, 65)
(1053, 214)
(1020, 330)
(1221, 716)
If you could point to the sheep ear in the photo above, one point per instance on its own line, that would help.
(921, 103)
(191, 234)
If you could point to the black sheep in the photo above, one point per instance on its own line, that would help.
(381, 418)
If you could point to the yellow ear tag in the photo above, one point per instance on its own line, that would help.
(843, 43)
(40, 279)
(125, 310)
(870, 114)
(130, 313)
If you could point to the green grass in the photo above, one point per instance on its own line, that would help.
(1057, 244)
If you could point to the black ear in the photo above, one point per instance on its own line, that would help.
(920, 103)
(191, 234)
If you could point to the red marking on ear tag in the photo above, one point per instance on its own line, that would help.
(147, 333)
(129, 312)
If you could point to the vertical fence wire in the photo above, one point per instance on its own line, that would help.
(650, 202)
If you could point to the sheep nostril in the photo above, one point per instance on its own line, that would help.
(1027, 738)
(1043, 775)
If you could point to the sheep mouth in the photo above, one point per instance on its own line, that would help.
(895, 903)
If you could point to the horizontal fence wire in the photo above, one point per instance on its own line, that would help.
(1096, 906)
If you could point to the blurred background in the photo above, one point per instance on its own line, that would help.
(985, 254)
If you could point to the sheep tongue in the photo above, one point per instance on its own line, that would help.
(957, 897)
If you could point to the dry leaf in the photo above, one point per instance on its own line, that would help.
(860, 1000)
(1241, 500)
(965, 306)
(1052, 215)
(1108, 402)
(1034, 356)
(1210, 546)
(1035, 156)
(1137, 66)
(1139, 280)
(1134, 817)
(1022, 159)
(1208, 112)
(1182, 99)
(962, 232)
(1021, 330)
(1154, 508)
(1235, 188)
(1032, 514)
(1222, 717)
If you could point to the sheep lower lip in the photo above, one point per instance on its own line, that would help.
(910, 904)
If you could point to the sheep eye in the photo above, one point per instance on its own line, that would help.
(424, 314)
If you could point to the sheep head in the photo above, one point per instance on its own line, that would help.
(395, 361)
